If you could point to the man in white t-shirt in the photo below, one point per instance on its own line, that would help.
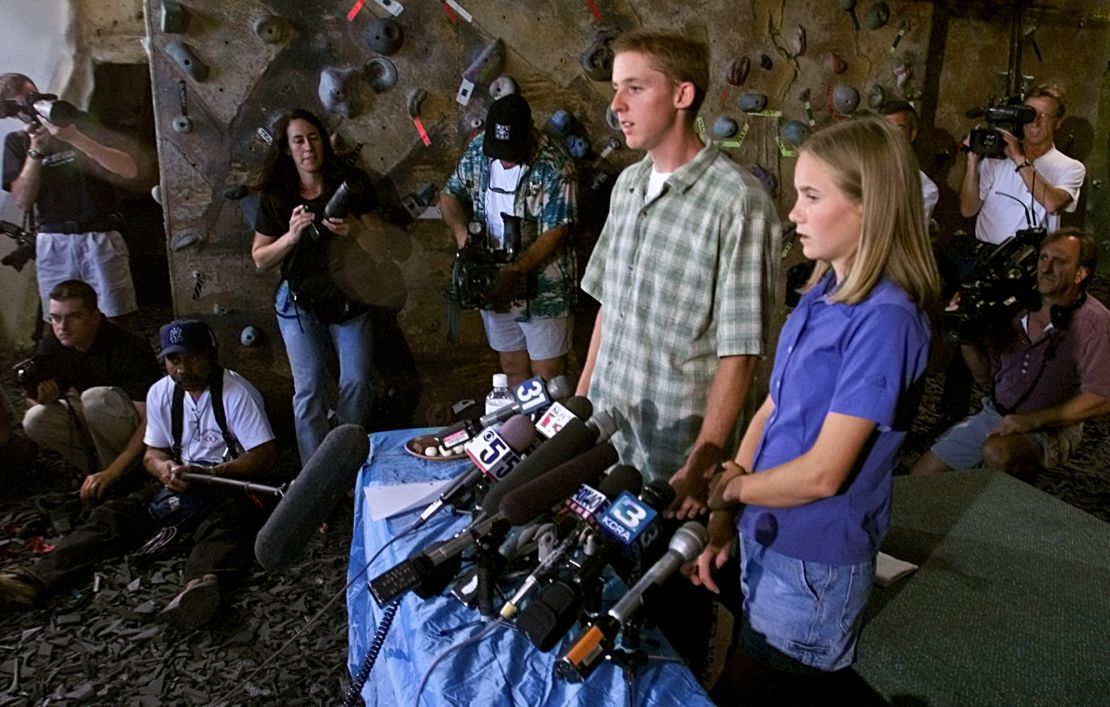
(1032, 184)
(901, 114)
(224, 520)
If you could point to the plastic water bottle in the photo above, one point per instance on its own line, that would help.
(500, 396)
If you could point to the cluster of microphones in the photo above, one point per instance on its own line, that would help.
(551, 505)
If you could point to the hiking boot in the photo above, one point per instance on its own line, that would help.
(194, 606)
(18, 592)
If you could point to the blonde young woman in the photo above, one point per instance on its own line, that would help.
(809, 490)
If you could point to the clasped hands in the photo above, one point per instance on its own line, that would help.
(722, 502)
(697, 493)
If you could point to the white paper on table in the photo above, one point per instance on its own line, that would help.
(388, 501)
(889, 570)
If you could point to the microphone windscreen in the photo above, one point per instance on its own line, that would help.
(621, 478)
(518, 432)
(689, 540)
(659, 494)
(580, 406)
(570, 441)
(527, 502)
(558, 388)
(311, 497)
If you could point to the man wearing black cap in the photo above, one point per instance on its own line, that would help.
(513, 169)
(218, 429)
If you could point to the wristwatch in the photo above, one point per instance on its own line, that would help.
(35, 154)
(1023, 165)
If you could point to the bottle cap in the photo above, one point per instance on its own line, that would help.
(500, 380)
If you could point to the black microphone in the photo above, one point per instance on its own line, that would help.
(531, 396)
(586, 505)
(522, 506)
(497, 456)
(325, 478)
(588, 650)
(575, 437)
(626, 524)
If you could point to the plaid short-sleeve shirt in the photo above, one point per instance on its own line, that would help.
(683, 280)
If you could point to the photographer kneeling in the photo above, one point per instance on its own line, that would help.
(86, 389)
(204, 421)
(514, 170)
(1049, 369)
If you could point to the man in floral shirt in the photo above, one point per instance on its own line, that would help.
(514, 170)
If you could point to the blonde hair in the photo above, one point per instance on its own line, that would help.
(872, 164)
(674, 55)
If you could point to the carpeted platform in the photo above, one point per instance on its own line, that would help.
(1010, 606)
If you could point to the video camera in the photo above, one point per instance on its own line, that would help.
(45, 105)
(1003, 280)
(1008, 115)
(24, 246)
(475, 276)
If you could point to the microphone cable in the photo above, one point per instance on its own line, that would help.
(379, 636)
(452, 649)
(384, 624)
(351, 698)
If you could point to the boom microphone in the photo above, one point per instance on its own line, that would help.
(582, 657)
(328, 474)
(514, 436)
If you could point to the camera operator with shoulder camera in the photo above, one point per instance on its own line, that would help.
(1049, 371)
(1029, 181)
(61, 165)
(513, 170)
(86, 388)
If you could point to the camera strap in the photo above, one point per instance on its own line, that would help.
(216, 393)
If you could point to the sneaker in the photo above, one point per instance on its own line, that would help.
(194, 606)
(18, 592)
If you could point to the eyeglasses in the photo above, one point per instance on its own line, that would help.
(1041, 117)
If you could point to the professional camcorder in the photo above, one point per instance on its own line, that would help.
(24, 246)
(475, 277)
(1010, 115)
(41, 105)
(1002, 281)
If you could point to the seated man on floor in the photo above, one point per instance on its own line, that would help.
(1049, 369)
(218, 429)
(86, 391)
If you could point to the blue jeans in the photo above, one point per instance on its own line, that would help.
(798, 611)
(306, 345)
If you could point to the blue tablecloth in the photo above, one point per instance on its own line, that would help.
(502, 668)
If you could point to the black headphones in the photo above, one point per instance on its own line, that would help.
(1060, 314)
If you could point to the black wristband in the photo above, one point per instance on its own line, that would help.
(35, 154)
(1023, 165)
